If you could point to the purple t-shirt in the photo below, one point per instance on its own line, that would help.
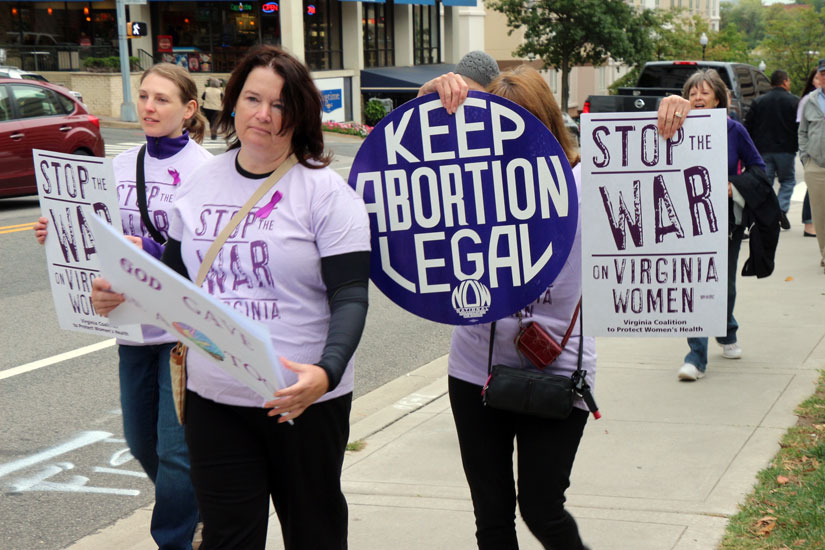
(163, 177)
(469, 347)
(269, 269)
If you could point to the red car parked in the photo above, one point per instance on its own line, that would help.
(39, 115)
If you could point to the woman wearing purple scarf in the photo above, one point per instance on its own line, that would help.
(168, 113)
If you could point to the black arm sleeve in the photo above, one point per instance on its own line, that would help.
(346, 277)
(172, 257)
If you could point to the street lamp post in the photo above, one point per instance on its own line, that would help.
(808, 55)
(703, 40)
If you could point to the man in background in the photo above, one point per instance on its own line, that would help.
(772, 124)
(476, 69)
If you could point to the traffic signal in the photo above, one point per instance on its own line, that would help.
(136, 29)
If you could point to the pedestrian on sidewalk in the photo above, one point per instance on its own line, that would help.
(772, 125)
(812, 83)
(212, 100)
(301, 270)
(546, 447)
(812, 154)
(168, 112)
(706, 90)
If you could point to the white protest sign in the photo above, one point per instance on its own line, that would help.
(654, 225)
(72, 188)
(158, 296)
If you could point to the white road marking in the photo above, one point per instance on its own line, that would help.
(34, 365)
(85, 438)
(77, 484)
(103, 470)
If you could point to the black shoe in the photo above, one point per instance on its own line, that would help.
(783, 221)
(806, 234)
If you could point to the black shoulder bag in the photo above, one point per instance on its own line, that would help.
(536, 393)
(141, 198)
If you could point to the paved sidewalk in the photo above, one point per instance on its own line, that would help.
(663, 470)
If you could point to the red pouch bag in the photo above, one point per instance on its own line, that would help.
(537, 345)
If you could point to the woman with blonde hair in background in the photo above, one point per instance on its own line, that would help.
(168, 113)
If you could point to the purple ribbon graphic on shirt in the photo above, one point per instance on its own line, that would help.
(265, 210)
(175, 176)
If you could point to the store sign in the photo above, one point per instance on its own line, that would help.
(269, 8)
(240, 6)
(333, 98)
(472, 215)
(165, 43)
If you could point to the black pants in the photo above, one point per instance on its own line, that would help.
(546, 450)
(212, 116)
(240, 458)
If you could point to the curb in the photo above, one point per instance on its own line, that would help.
(114, 123)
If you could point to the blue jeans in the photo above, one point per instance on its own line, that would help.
(157, 441)
(698, 355)
(782, 165)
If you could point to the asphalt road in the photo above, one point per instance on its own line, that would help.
(65, 471)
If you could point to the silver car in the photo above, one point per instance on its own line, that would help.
(15, 72)
(571, 125)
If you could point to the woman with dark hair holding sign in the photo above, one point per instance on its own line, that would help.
(706, 90)
(148, 177)
(299, 264)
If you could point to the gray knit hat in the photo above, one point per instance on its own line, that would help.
(479, 66)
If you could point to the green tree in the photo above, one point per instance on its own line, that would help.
(793, 41)
(818, 5)
(747, 16)
(566, 33)
(677, 37)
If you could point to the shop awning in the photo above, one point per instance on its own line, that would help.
(401, 79)
(459, 2)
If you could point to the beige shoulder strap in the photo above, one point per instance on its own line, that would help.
(267, 184)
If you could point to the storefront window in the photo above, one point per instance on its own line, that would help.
(379, 35)
(52, 23)
(426, 35)
(213, 36)
(322, 35)
(57, 35)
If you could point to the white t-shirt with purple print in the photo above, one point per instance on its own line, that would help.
(163, 177)
(269, 269)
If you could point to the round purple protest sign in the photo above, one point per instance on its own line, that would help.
(472, 215)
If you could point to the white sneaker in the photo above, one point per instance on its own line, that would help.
(731, 351)
(690, 373)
